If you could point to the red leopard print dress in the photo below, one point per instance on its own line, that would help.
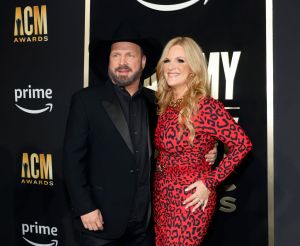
(179, 164)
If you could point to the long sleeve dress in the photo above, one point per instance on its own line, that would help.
(179, 164)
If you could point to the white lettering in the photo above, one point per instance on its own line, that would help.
(25, 229)
(213, 73)
(44, 230)
(39, 229)
(228, 204)
(48, 93)
(54, 231)
(230, 71)
(31, 93)
(18, 94)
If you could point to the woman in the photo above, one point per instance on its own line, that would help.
(189, 123)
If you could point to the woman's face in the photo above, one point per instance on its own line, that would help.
(176, 69)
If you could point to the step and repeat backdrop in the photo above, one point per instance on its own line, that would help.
(42, 65)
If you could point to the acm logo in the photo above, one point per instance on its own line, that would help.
(31, 24)
(37, 169)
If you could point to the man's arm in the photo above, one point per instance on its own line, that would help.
(74, 157)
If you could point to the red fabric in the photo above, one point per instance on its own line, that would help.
(183, 164)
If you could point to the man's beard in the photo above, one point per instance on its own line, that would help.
(124, 80)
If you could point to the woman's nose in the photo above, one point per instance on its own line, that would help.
(170, 66)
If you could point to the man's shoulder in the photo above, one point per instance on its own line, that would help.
(91, 91)
(149, 94)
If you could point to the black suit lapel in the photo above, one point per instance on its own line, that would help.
(114, 110)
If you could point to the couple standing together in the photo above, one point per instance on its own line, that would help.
(113, 129)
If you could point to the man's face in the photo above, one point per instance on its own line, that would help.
(126, 63)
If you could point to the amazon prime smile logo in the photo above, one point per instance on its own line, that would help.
(33, 94)
(43, 235)
(170, 7)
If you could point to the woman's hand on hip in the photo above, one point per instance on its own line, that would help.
(198, 198)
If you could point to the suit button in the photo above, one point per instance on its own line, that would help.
(131, 171)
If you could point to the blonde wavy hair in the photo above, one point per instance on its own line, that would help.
(197, 83)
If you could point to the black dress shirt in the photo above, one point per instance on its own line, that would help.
(135, 111)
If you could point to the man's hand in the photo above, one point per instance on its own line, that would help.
(211, 156)
(92, 221)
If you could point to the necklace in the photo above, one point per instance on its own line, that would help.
(175, 103)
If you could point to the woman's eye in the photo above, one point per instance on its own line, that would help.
(166, 61)
(180, 60)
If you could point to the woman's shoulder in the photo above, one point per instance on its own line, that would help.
(209, 101)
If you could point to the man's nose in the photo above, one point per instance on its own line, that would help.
(123, 60)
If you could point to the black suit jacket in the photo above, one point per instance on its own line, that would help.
(98, 159)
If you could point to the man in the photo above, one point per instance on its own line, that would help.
(108, 146)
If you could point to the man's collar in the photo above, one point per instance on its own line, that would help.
(123, 90)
